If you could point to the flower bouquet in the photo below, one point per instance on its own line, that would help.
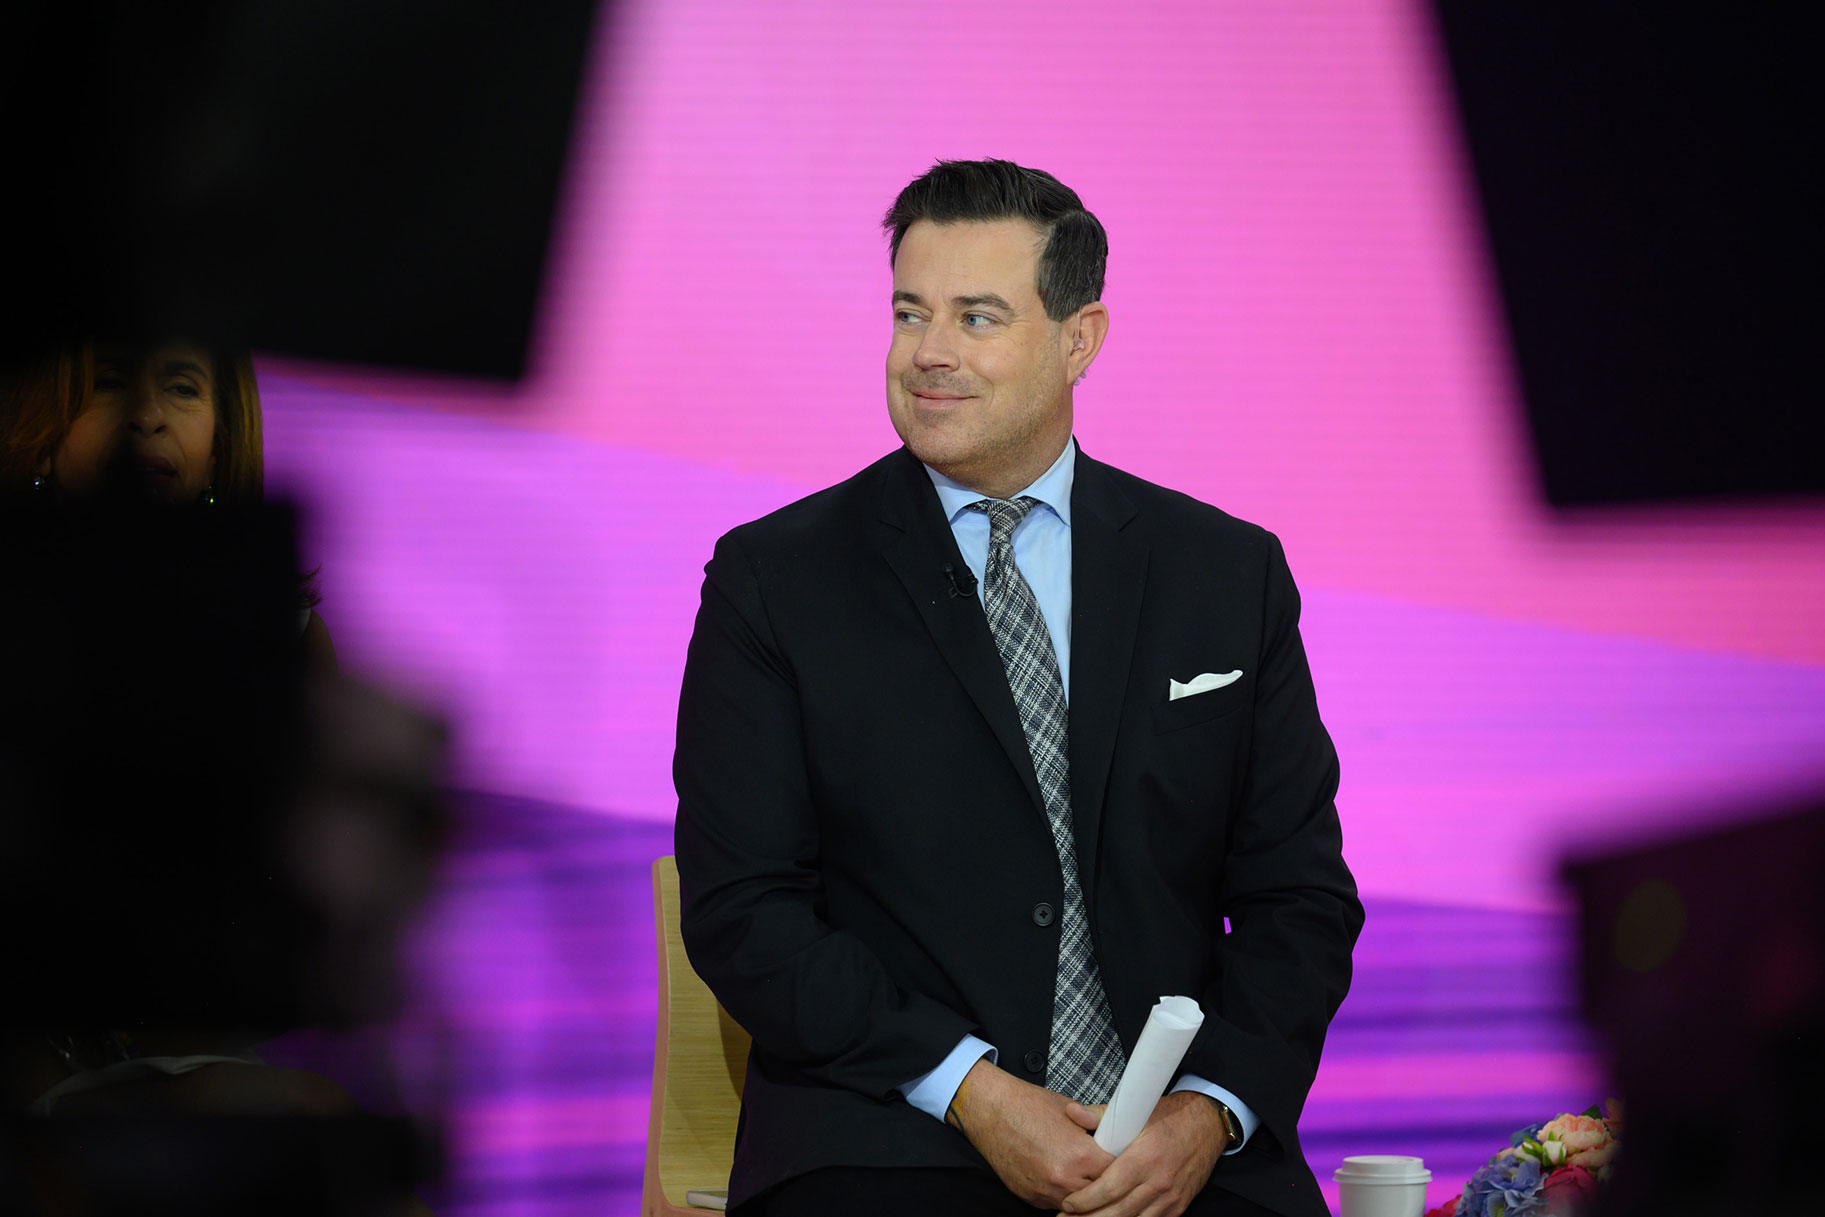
(1548, 1170)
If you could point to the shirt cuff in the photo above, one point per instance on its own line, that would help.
(1244, 1115)
(932, 1093)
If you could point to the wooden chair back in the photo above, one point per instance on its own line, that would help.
(700, 1058)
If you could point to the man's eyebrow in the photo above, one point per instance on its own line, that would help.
(982, 300)
(173, 366)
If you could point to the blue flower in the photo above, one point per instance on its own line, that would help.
(1508, 1187)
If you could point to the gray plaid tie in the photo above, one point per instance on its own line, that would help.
(1086, 1058)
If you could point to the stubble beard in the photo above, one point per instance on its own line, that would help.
(975, 452)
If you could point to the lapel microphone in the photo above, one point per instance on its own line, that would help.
(966, 587)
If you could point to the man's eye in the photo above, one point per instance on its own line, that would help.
(181, 389)
(902, 317)
(978, 321)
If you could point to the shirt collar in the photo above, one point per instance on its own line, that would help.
(1053, 487)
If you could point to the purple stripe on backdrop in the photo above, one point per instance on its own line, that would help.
(542, 587)
(534, 999)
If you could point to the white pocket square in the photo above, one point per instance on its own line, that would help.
(1201, 684)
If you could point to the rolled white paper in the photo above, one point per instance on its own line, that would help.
(1164, 1040)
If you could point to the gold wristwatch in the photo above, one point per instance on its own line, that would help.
(1232, 1127)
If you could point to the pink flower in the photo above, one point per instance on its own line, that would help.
(1569, 1191)
(1577, 1141)
(1447, 1209)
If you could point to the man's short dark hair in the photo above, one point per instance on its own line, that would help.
(952, 192)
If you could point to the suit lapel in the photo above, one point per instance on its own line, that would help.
(1108, 577)
(917, 544)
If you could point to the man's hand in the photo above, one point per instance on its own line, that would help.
(1166, 1167)
(1038, 1150)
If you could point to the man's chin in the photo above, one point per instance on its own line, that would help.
(934, 451)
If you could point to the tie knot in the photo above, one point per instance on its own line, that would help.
(1003, 515)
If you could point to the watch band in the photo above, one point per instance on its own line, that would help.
(1232, 1127)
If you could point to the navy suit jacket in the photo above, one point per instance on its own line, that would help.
(863, 846)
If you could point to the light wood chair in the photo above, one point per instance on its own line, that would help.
(700, 1057)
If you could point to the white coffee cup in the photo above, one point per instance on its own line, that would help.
(1382, 1185)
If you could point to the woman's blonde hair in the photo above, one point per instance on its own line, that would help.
(240, 464)
(41, 394)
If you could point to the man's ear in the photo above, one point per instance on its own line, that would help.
(1087, 334)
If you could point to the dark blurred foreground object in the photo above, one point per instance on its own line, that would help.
(190, 1166)
(199, 829)
(1651, 183)
(1704, 967)
(360, 180)
(205, 840)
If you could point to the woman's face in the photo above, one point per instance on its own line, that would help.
(88, 447)
(167, 398)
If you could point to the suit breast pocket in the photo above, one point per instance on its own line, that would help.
(1198, 708)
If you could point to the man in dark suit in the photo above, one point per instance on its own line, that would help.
(986, 748)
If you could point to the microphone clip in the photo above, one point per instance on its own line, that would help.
(962, 584)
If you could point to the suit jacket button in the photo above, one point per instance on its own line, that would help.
(1042, 914)
(1035, 1061)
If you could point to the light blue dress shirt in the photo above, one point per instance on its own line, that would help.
(1042, 551)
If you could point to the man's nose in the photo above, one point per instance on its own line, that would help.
(935, 349)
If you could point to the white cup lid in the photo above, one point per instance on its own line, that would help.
(1389, 1168)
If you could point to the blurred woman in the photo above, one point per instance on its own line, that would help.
(55, 436)
(188, 435)
(179, 424)
(191, 419)
(176, 419)
(108, 424)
